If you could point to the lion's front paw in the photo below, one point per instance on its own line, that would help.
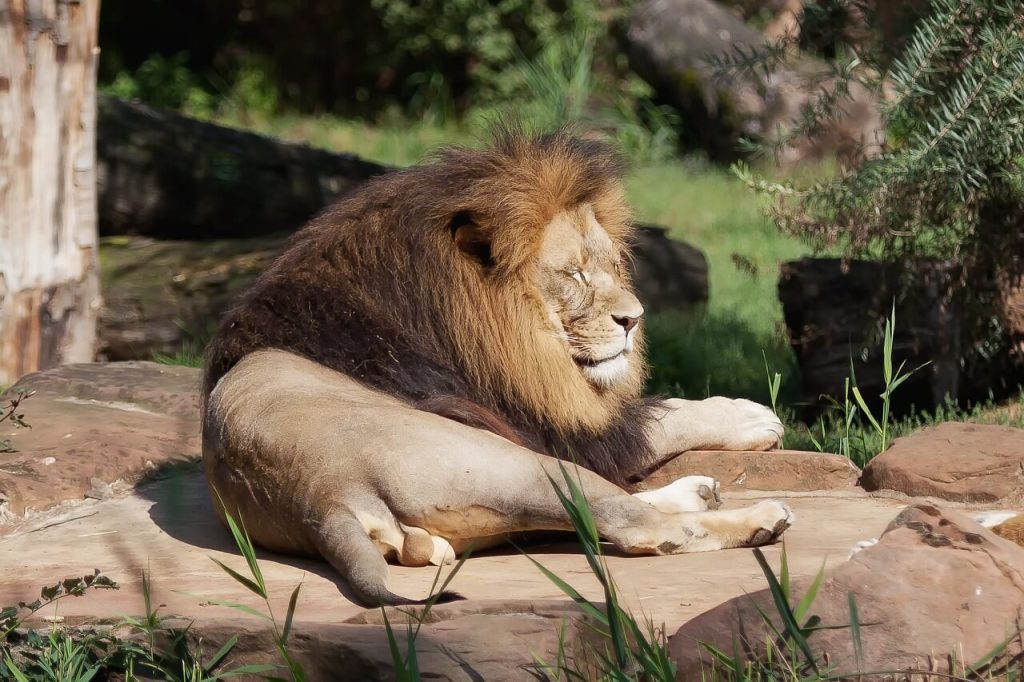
(770, 520)
(748, 425)
(686, 494)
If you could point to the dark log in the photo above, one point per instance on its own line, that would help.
(163, 296)
(167, 176)
(836, 313)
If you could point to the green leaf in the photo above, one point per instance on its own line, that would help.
(244, 608)
(290, 615)
(809, 596)
(788, 621)
(784, 573)
(585, 604)
(249, 584)
(864, 408)
(858, 650)
(222, 652)
(13, 669)
(401, 671)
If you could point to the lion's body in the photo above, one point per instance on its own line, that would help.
(484, 288)
(373, 288)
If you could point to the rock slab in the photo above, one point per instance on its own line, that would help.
(954, 461)
(93, 425)
(790, 470)
(936, 588)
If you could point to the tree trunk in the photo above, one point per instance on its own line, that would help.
(49, 286)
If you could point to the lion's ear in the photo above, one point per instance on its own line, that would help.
(471, 239)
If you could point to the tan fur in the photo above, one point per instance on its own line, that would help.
(1012, 529)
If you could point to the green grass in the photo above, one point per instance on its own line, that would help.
(718, 351)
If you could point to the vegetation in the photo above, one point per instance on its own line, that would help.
(946, 185)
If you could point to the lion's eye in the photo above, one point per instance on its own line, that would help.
(579, 276)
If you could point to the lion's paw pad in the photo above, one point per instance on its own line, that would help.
(771, 519)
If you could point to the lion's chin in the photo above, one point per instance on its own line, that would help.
(606, 373)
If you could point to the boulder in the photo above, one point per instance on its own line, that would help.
(936, 593)
(164, 175)
(954, 461)
(92, 427)
(162, 296)
(789, 470)
(669, 43)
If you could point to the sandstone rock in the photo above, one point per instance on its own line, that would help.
(778, 470)
(937, 587)
(93, 425)
(472, 640)
(954, 461)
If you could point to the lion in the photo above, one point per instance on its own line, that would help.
(415, 371)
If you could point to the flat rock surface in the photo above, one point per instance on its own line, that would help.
(954, 461)
(791, 470)
(94, 426)
(168, 528)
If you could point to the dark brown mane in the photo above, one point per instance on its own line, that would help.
(374, 288)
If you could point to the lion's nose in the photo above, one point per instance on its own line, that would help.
(626, 321)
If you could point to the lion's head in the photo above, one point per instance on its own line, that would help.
(497, 276)
(581, 277)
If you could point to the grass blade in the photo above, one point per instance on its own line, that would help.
(782, 606)
(249, 584)
(222, 652)
(570, 591)
(290, 615)
(244, 608)
(812, 592)
(864, 408)
(858, 651)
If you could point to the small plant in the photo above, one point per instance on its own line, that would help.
(633, 651)
(407, 668)
(255, 584)
(9, 412)
(56, 656)
(893, 380)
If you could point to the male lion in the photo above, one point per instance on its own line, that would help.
(408, 374)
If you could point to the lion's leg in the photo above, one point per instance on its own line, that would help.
(502, 488)
(355, 475)
(714, 424)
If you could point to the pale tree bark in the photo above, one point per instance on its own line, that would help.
(49, 287)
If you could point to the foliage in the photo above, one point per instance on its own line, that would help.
(254, 583)
(430, 59)
(631, 651)
(947, 183)
(9, 412)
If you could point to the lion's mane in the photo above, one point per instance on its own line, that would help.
(374, 287)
